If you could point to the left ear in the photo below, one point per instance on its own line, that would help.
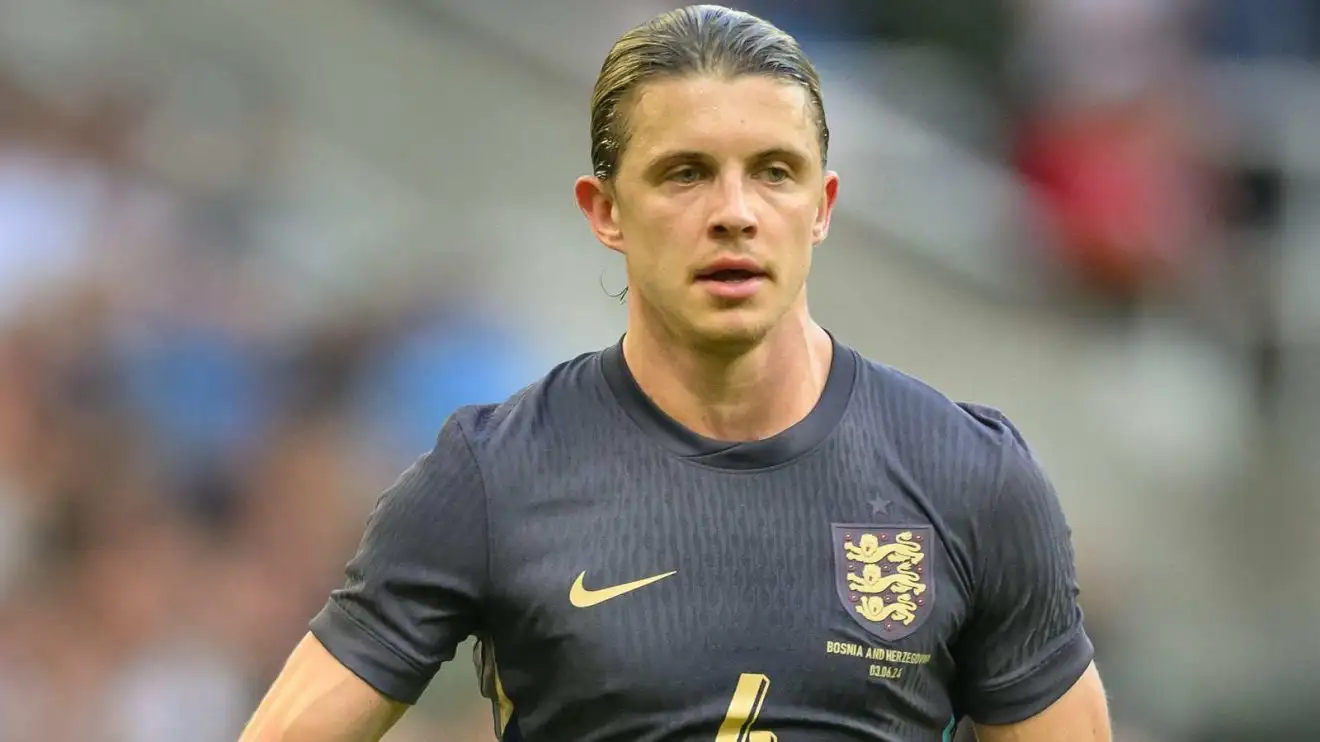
(829, 194)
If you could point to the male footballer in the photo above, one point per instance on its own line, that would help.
(729, 526)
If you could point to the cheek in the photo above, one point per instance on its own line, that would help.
(665, 239)
(797, 242)
(651, 258)
(794, 222)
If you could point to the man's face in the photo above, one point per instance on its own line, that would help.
(717, 203)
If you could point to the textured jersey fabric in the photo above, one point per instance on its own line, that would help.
(892, 563)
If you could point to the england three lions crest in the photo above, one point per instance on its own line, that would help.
(882, 573)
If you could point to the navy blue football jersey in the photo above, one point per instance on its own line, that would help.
(893, 563)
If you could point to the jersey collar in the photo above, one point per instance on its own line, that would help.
(778, 449)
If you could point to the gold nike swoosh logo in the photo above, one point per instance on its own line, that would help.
(581, 597)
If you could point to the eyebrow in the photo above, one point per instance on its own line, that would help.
(666, 160)
(792, 156)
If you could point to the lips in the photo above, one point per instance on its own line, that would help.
(732, 279)
(730, 270)
(728, 276)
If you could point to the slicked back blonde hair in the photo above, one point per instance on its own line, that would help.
(695, 40)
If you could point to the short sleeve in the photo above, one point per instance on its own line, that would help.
(1024, 645)
(412, 590)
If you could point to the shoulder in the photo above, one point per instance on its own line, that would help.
(920, 423)
(971, 462)
(482, 447)
(569, 396)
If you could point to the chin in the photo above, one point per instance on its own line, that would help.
(731, 330)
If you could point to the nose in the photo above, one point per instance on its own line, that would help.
(733, 217)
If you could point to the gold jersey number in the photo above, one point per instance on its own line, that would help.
(743, 710)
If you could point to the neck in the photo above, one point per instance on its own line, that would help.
(749, 395)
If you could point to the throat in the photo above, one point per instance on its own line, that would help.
(733, 420)
(751, 397)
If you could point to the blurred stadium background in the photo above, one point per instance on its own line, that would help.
(252, 253)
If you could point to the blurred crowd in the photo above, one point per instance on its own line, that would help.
(190, 440)
(1154, 180)
(185, 460)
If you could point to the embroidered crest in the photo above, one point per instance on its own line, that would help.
(882, 576)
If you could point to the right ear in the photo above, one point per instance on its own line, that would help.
(596, 199)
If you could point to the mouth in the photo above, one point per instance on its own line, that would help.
(730, 275)
(731, 270)
(732, 280)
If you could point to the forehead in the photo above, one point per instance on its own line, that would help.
(720, 116)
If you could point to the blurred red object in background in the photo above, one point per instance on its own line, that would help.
(1120, 193)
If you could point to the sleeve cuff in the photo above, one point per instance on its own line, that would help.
(1022, 695)
(367, 656)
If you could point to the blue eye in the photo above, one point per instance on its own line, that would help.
(775, 174)
(686, 174)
